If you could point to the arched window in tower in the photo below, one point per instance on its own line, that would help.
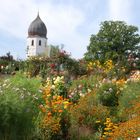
(39, 42)
(32, 43)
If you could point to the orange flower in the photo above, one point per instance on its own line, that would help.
(43, 109)
(59, 98)
(49, 114)
(60, 111)
(58, 102)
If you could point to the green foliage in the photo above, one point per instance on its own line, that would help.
(7, 64)
(116, 41)
(74, 67)
(7, 57)
(54, 50)
(80, 87)
(18, 107)
(108, 94)
(84, 117)
(88, 111)
(56, 119)
(58, 64)
(129, 94)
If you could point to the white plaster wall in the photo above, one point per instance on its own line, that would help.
(34, 50)
(31, 50)
(43, 48)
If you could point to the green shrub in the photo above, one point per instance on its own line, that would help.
(108, 94)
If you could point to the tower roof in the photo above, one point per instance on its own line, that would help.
(37, 28)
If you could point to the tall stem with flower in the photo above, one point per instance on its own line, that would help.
(56, 121)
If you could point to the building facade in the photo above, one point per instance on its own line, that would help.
(37, 39)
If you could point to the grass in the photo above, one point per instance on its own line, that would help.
(19, 107)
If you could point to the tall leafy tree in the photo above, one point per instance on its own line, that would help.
(54, 50)
(115, 40)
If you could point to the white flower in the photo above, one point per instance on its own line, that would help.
(40, 91)
(4, 85)
(121, 89)
(53, 87)
(105, 91)
(7, 80)
(48, 79)
(21, 96)
(24, 89)
(8, 85)
(29, 93)
(34, 96)
(89, 90)
(110, 89)
(17, 89)
(2, 67)
(7, 67)
(62, 77)
(80, 86)
(58, 79)
(72, 93)
(83, 95)
(55, 82)
(128, 80)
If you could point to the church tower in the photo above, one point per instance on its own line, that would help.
(37, 39)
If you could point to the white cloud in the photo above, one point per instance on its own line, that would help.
(70, 23)
(61, 20)
(120, 10)
(62, 24)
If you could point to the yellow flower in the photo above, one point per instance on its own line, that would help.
(103, 136)
(110, 133)
(105, 133)
(108, 119)
(98, 121)
(65, 106)
(48, 95)
(65, 102)
(115, 127)
(107, 129)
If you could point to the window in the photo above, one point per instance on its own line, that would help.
(39, 42)
(32, 43)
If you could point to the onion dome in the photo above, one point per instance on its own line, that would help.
(37, 28)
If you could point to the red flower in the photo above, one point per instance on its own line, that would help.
(52, 66)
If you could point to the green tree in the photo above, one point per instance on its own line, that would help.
(54, 50)
(115, 40)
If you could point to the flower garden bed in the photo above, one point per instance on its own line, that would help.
(92, 107)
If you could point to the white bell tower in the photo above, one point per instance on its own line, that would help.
(37, 39)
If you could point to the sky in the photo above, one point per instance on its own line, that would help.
(70, 23)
